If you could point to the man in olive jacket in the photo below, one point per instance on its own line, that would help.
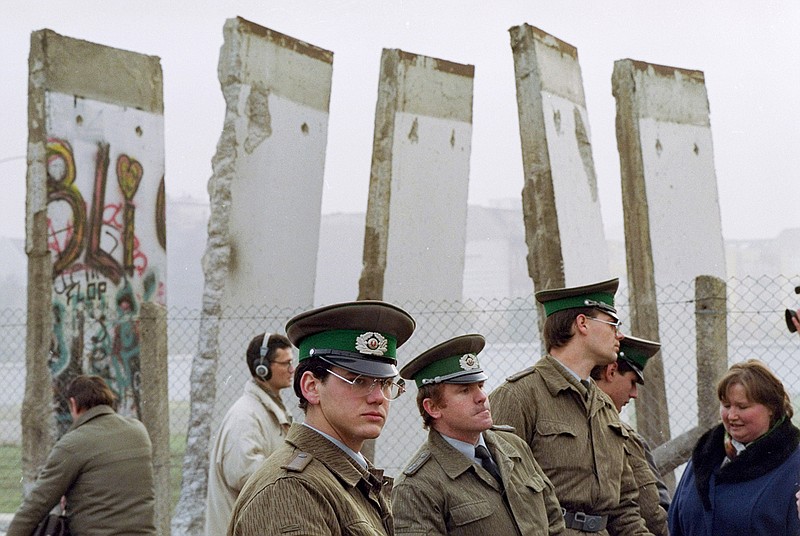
(572, 428)
(469, 478)
(102, 465)
(318, 482)
(620, 382)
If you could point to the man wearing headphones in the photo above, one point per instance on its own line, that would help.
(252, 428)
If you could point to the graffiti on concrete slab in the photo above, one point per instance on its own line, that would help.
(107, 240)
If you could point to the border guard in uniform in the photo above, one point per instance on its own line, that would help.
(469, 478)
(318, 482)
(620, 382)
(571, 427)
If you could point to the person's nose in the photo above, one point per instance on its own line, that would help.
(634, 391)
(376, 396)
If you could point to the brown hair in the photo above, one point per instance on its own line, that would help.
(557, 329)
(253, 354)
(434, 391)
(90, 391)
(315, 366)
(760, 385)
(622, 367)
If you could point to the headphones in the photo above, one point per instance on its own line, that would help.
(262, 370)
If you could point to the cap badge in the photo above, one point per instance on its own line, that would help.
(372, 343)
(469, 362)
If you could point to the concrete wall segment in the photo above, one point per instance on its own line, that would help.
(263, 231)
(427, 231)
(545, 263)
(670, 202)
(371, 281)
(563, 222)
(94, 236)
(418, 181)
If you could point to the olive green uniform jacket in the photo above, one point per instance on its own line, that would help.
(103, 465)
(578, 440)
(648, 481)
(310, 487)
(441, 491)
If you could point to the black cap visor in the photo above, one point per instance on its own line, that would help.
(358, 365)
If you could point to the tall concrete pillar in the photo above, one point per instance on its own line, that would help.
(155, 405)
(671, 210)
(95, 225)
(263, 231)
(415, 238)
(561, 208)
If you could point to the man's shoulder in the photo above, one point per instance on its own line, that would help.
(245, 411)
(504, 433)
(417, 462)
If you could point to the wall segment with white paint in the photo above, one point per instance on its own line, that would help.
(416, 217)
(563, 221)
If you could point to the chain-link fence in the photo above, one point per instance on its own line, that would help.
(755, 322)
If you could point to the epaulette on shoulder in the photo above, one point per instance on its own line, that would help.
(520, 374)
(417, 462)
(299, 462)
(503, 428)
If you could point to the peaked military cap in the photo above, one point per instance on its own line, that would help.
(452, 361)
(598, 295)
(361, 337)
(636, 352)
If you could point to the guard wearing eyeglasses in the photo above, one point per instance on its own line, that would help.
(318, 482)
(572, 427)
(469, 477)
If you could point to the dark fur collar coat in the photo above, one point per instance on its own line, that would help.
(756, 460)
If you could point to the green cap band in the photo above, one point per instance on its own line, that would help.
(447, 368)
(358, 342)
(573, 302)
(635, 356)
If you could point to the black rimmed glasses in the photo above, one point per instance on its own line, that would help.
(616, 324)
(364, 385)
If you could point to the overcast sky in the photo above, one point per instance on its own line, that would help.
(749, 52)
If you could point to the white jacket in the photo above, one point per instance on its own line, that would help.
(250, 431)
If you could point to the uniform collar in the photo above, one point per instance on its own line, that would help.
(356, 456)
(465, 448)
(309, 440)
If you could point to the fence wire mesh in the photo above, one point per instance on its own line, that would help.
(755, 325)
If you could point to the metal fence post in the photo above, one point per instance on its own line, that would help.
(712, 345)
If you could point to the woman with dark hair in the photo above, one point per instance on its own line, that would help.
(743, 473)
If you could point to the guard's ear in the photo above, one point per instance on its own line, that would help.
(309, 386)
(580, 323)
(612, 369)
(73, 408)
(431, 408)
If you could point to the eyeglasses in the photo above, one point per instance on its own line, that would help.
(363, 385)
(616, 324)
(287, 364)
